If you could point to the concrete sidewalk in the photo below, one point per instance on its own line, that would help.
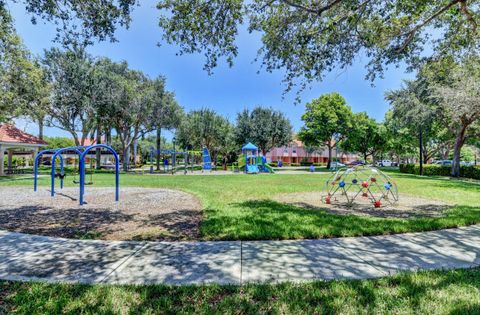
(31, 257)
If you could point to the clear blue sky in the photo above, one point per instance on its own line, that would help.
(228, 90)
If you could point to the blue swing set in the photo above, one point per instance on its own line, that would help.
(82, 152)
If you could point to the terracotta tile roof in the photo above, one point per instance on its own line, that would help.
(10, 133)
(88, 141)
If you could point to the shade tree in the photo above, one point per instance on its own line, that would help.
(441, 103)
(205, 128)
(459, 99)
(366, 136)
(327, 120)
(70, 73)
(308, 38)
(166, 113)
(264, 126)
(78, 20)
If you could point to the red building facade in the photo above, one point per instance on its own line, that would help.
(297, 153)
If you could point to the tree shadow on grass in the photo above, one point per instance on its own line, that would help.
(268, 219)
(447, 292)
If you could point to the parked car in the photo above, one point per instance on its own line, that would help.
(443, 162)
(356, 163)
(386, 163)
(336, 165)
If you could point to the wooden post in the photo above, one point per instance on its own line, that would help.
(10, 159)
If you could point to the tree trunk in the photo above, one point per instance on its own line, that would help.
(329, 156)
(108, 136)
(365, 155)
(159, 145)
(445, 155)
(459, 141)
(75, 138)
(420, 144)
(126, 157)
(40, 128)
(132, 154)
(98, 152)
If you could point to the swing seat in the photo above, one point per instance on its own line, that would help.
(78, 182)
(60, 175)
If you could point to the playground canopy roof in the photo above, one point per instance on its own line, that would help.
(249, 146)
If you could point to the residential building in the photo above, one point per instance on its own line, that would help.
(296, 152)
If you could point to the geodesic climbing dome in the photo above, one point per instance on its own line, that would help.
(366, 182)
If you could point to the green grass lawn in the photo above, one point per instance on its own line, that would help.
(240, 206)
(432, 292)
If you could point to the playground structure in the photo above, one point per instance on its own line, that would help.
(189, 160)
(356, 182)
(250, 162)
(82, 152)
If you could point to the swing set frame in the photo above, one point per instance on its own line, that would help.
(82, 152)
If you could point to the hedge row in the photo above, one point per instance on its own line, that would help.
(440, 170)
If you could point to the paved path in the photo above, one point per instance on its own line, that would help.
(30, 257)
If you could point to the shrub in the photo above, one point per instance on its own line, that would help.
(295, 164)
(440, 170)
(273, 164)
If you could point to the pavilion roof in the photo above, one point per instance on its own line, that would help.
(11, 134)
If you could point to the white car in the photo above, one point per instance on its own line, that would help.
(387, 163)
(336, 165)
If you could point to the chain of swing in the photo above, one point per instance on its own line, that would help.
(76, 173)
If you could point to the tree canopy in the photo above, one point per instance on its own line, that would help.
(309, 38)
(444, 101)
(78, 20)
(205, 128)
(366, 136)
(265, 127)
(327, 119)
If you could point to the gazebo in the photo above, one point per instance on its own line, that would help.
(14, 140)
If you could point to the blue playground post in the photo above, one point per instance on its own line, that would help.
(207, 162)
(82, 170)
(250, 151)
(54, 157)
(35, 166)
